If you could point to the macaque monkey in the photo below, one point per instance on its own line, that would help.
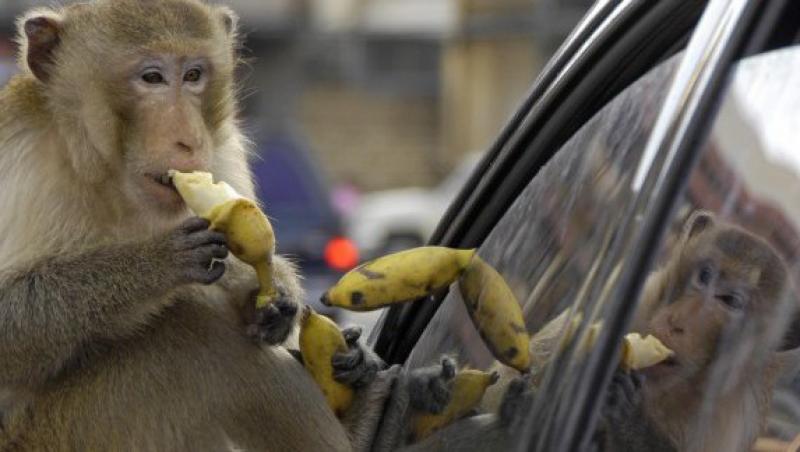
(123, 324)
(722, 303)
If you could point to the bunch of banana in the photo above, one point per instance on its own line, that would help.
(398, 278)
(320, 338)
(467, 391)
(249, 233)
(496, 314)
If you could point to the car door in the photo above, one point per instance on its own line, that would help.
(575, 225)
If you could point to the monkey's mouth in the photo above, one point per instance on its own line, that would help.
(163, 179)
(162, 188)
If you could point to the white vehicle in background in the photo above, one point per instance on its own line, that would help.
(393, 220)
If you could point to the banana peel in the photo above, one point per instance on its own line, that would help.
(248, 231)
(398, 278)
(468, 387)
(320, 339)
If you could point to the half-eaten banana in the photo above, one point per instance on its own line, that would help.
(249, 233)
(638, 352)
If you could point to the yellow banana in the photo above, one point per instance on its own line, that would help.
(638, 352)
(467, 391)
(496, 314)
(397, 278)
(248, 231)
(320, 338)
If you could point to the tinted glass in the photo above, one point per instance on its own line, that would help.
(721, 297)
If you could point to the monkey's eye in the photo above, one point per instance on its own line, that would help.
(192, 75)
(705, 274)
(153, 77)
(731, 300)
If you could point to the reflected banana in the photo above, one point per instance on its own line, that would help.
(397, 278)
(468, 387)
(496, 314)
(248, 231)
(638, 352)
(320, 339)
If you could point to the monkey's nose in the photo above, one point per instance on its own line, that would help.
(182, 146)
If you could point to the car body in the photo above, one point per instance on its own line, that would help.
(390, 220)
(640, 118)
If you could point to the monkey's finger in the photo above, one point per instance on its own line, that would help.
(194, 224)
(351, 335)
(219, 251)
(347, 360)
(287, 308)
(268, 315)
(448, 368)
(207, 237)
(211, 275)
(359, 377)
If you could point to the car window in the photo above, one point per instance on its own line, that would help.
(721, 296)
(550, 243)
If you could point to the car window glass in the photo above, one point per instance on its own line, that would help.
(721, 297)
(548, 245)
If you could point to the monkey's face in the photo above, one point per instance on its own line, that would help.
(167, 128)
(718, 301)
(137, 88)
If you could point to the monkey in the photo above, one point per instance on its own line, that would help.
(124, 324)
(722, 303)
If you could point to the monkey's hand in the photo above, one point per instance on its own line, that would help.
(624, 396)
(195, 252)
(625, 426)
(517, 402)
(272, 323)
(358, 366)
(429, 387)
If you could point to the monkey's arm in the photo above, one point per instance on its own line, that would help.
(53, 309)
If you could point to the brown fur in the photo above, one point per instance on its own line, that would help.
(104, 347)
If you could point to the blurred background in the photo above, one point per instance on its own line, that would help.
(369, 115)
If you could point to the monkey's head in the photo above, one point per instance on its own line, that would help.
(134, 87)
(723, 297)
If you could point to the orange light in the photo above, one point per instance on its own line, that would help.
(341, 254)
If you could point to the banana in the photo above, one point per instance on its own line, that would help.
(467, 391)
(248, 231)
(638, 352)
(496, 314)
(397, 278)
(320, 338)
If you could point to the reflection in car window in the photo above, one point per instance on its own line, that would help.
(721, 297)
(550, 242)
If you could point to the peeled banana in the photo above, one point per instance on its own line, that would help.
(467, 391)
(396, 278)
(249, 233)
(320, 339)
(496, 313)
(638, 352)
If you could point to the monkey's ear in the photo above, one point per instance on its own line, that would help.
(39, 36)
(698, 221)
(229, 19)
